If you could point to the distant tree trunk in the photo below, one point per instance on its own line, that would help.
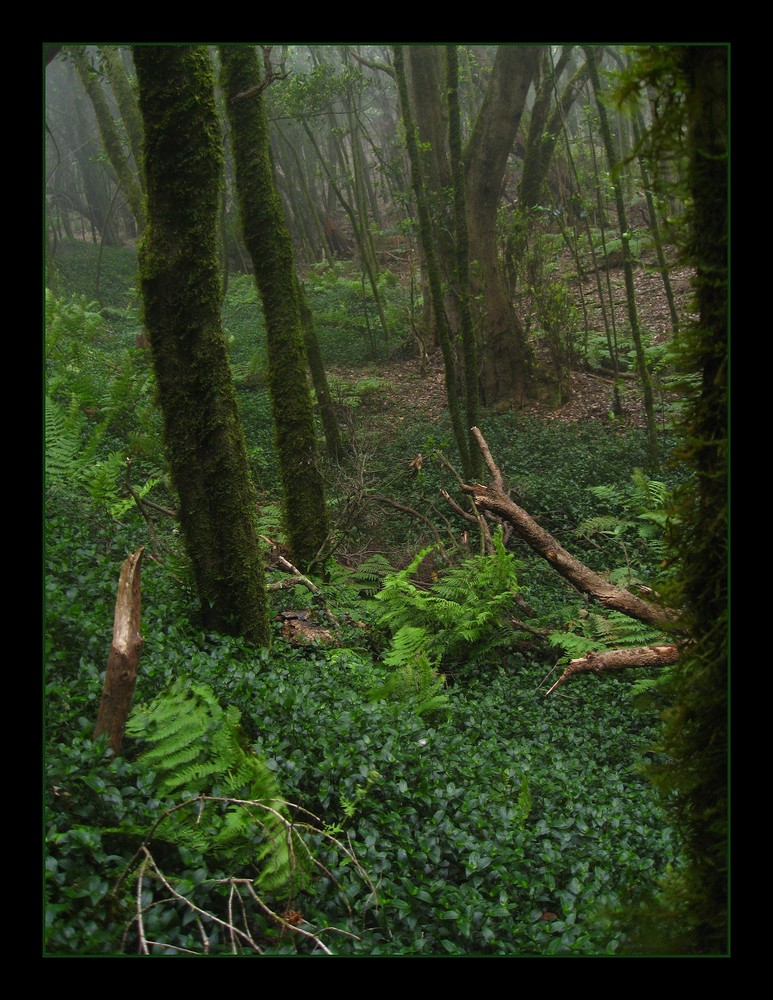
(638, 131)
(462, 270)
(126, 99)
(319, 378)
(425, 76)
(644, 375)
(268, 241)
(541, 141)
(506, 357)
(180, 275)
(110, 138)
(426, 236)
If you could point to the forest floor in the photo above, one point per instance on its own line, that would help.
(586, 394)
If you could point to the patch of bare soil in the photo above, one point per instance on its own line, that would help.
(417, 391)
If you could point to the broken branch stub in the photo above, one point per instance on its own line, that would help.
(124, 658)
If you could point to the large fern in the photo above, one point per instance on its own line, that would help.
(462, 618)
(197, 755)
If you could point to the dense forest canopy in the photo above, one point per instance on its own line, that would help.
(386, 495)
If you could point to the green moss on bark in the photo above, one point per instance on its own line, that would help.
(268, 241)
(181, 286)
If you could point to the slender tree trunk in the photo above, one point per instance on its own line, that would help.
(111, 140)
(462, 275)
(270, 247)
(638, 131)
(180, 274)
(427, 240)
(319, 378)
(126, 100)
(644, 375)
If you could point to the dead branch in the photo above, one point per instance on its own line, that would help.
(475, 517)
(619, 659)
(493, 500)
(297, 579)
(124, 657)
(141, 506)
(415, 513)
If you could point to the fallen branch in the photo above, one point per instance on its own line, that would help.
(493, 500)
(415, 513)
(124, 658)
(619, 659)
(297, 579)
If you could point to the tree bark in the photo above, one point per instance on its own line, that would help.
(124, 658)
(181, 280)
(268, 241)
(493, 500)
(505, 356)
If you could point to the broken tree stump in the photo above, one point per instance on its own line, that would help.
(124, 657)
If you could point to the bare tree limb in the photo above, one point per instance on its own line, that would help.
(619, 659)
(493, 500)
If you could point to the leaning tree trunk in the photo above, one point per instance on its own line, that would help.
(268, 241)
(111, 140)
(180, 275)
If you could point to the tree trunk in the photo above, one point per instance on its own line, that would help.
(427, 242)
(462, 262)
(180, 274)
(268, 241)
(111, 141)
(506, 357)
(606, 134)
(335, 449)
(126, 99)
(696, 737)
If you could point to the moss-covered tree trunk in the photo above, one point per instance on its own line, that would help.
(697, 732)
(111, 139)
(268, 241)
(180, 274)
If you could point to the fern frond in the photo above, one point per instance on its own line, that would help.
(196, 748)
(602, 524)
(63, 448)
